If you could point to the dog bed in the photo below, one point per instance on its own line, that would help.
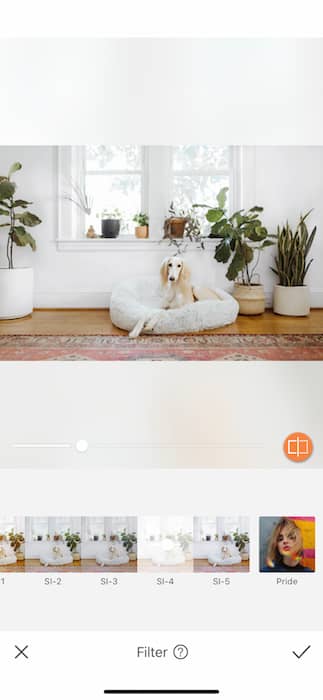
(7, 555)
(57, 555)
(169, 553)
(115, 556)
(228, 558)
(141, 297)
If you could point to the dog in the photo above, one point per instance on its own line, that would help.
(176, 292)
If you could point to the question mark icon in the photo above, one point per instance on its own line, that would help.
(180, 651)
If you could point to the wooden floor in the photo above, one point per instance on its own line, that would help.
(203, 566)
(18, 567)
(146, 566)
(97, 322)
(81, 566)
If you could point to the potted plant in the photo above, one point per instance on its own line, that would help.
(16, 540)
(175, 223)
(129, 539)
(241, 541)
(110, 223)
(185, 539)
(141, 230)
(72, 540)
(242, 238)
(16, 284)
(292, 295)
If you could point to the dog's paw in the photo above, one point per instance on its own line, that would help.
(149, 327)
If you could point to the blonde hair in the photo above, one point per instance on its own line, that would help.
(273, 554)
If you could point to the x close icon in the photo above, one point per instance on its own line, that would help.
(21, 652)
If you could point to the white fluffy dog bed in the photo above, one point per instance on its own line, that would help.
(141, 297)
(7, 555)
(56, 555)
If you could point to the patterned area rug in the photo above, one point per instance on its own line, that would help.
(187, 347)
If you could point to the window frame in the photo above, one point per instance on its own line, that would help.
(157, 191)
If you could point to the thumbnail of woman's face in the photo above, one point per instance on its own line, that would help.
(288, 542)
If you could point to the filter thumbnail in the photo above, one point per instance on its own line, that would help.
(287, 544)
(221, 544)
(165, 544)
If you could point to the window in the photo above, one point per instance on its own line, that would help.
(41, 528)
(135, 179)
(199, 172)
(100, 528)
(11, 523)
(113, 181)
(209, 527)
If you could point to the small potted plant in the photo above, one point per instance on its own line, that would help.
(242, 238)
(175, 223)
(72, 540)
(129, 539)
(16, 283)
(241, 541)
(110, 223)
(142, 221)
(16, 540)
(292, 295)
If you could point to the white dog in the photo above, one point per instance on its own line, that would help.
(176, 292)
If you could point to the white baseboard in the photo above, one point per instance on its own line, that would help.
(72, 300)
(101, 300)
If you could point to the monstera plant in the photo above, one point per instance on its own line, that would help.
(16, 284)
(241, 238)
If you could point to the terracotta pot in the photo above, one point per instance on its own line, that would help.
(141, 231)
(251, 298)
(291, 301)
(174, 227)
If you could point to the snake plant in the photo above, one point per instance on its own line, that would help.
(292, 253)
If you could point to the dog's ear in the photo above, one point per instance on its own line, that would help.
(185, 272)
(164, 271)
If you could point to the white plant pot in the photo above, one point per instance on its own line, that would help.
(16, 292)
(291, 301)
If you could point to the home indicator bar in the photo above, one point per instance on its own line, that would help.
(162, 692)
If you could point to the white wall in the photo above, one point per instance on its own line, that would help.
(286, 180)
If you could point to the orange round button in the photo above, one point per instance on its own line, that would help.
(298, 447)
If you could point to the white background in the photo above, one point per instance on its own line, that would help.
(158, 414)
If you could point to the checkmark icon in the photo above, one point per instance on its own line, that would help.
(299, 656)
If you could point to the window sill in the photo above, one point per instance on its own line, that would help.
(122, 243)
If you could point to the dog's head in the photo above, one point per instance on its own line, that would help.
(173, 269)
